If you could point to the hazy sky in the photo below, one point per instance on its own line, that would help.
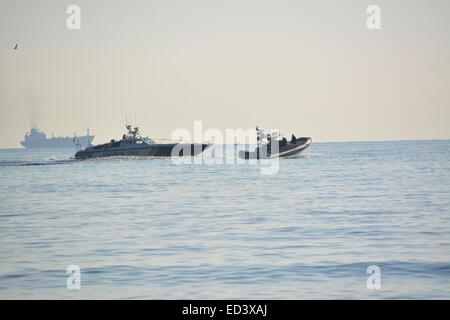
(311, 67)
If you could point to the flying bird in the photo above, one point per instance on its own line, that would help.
(15, 47)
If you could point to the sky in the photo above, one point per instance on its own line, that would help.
(312, 68)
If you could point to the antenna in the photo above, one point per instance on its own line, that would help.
(134, 117)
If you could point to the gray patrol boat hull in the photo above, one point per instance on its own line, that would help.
(132, 144)
(289, 149)
(147, 150)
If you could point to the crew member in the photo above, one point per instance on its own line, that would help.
(293, 139)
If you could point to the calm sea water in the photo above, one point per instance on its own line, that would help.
(151, 229)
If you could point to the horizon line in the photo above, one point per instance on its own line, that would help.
(344, 141)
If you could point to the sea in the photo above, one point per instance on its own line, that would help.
(344, 220)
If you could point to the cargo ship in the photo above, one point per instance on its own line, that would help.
(38, 139)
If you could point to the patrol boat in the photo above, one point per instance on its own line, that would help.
(132, 144)
(273, 145)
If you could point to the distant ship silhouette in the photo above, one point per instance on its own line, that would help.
(38, 139)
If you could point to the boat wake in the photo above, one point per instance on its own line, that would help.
(305, 155)
(56, 161)
(22, 163)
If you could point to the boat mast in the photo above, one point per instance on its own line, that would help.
(258, 141)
